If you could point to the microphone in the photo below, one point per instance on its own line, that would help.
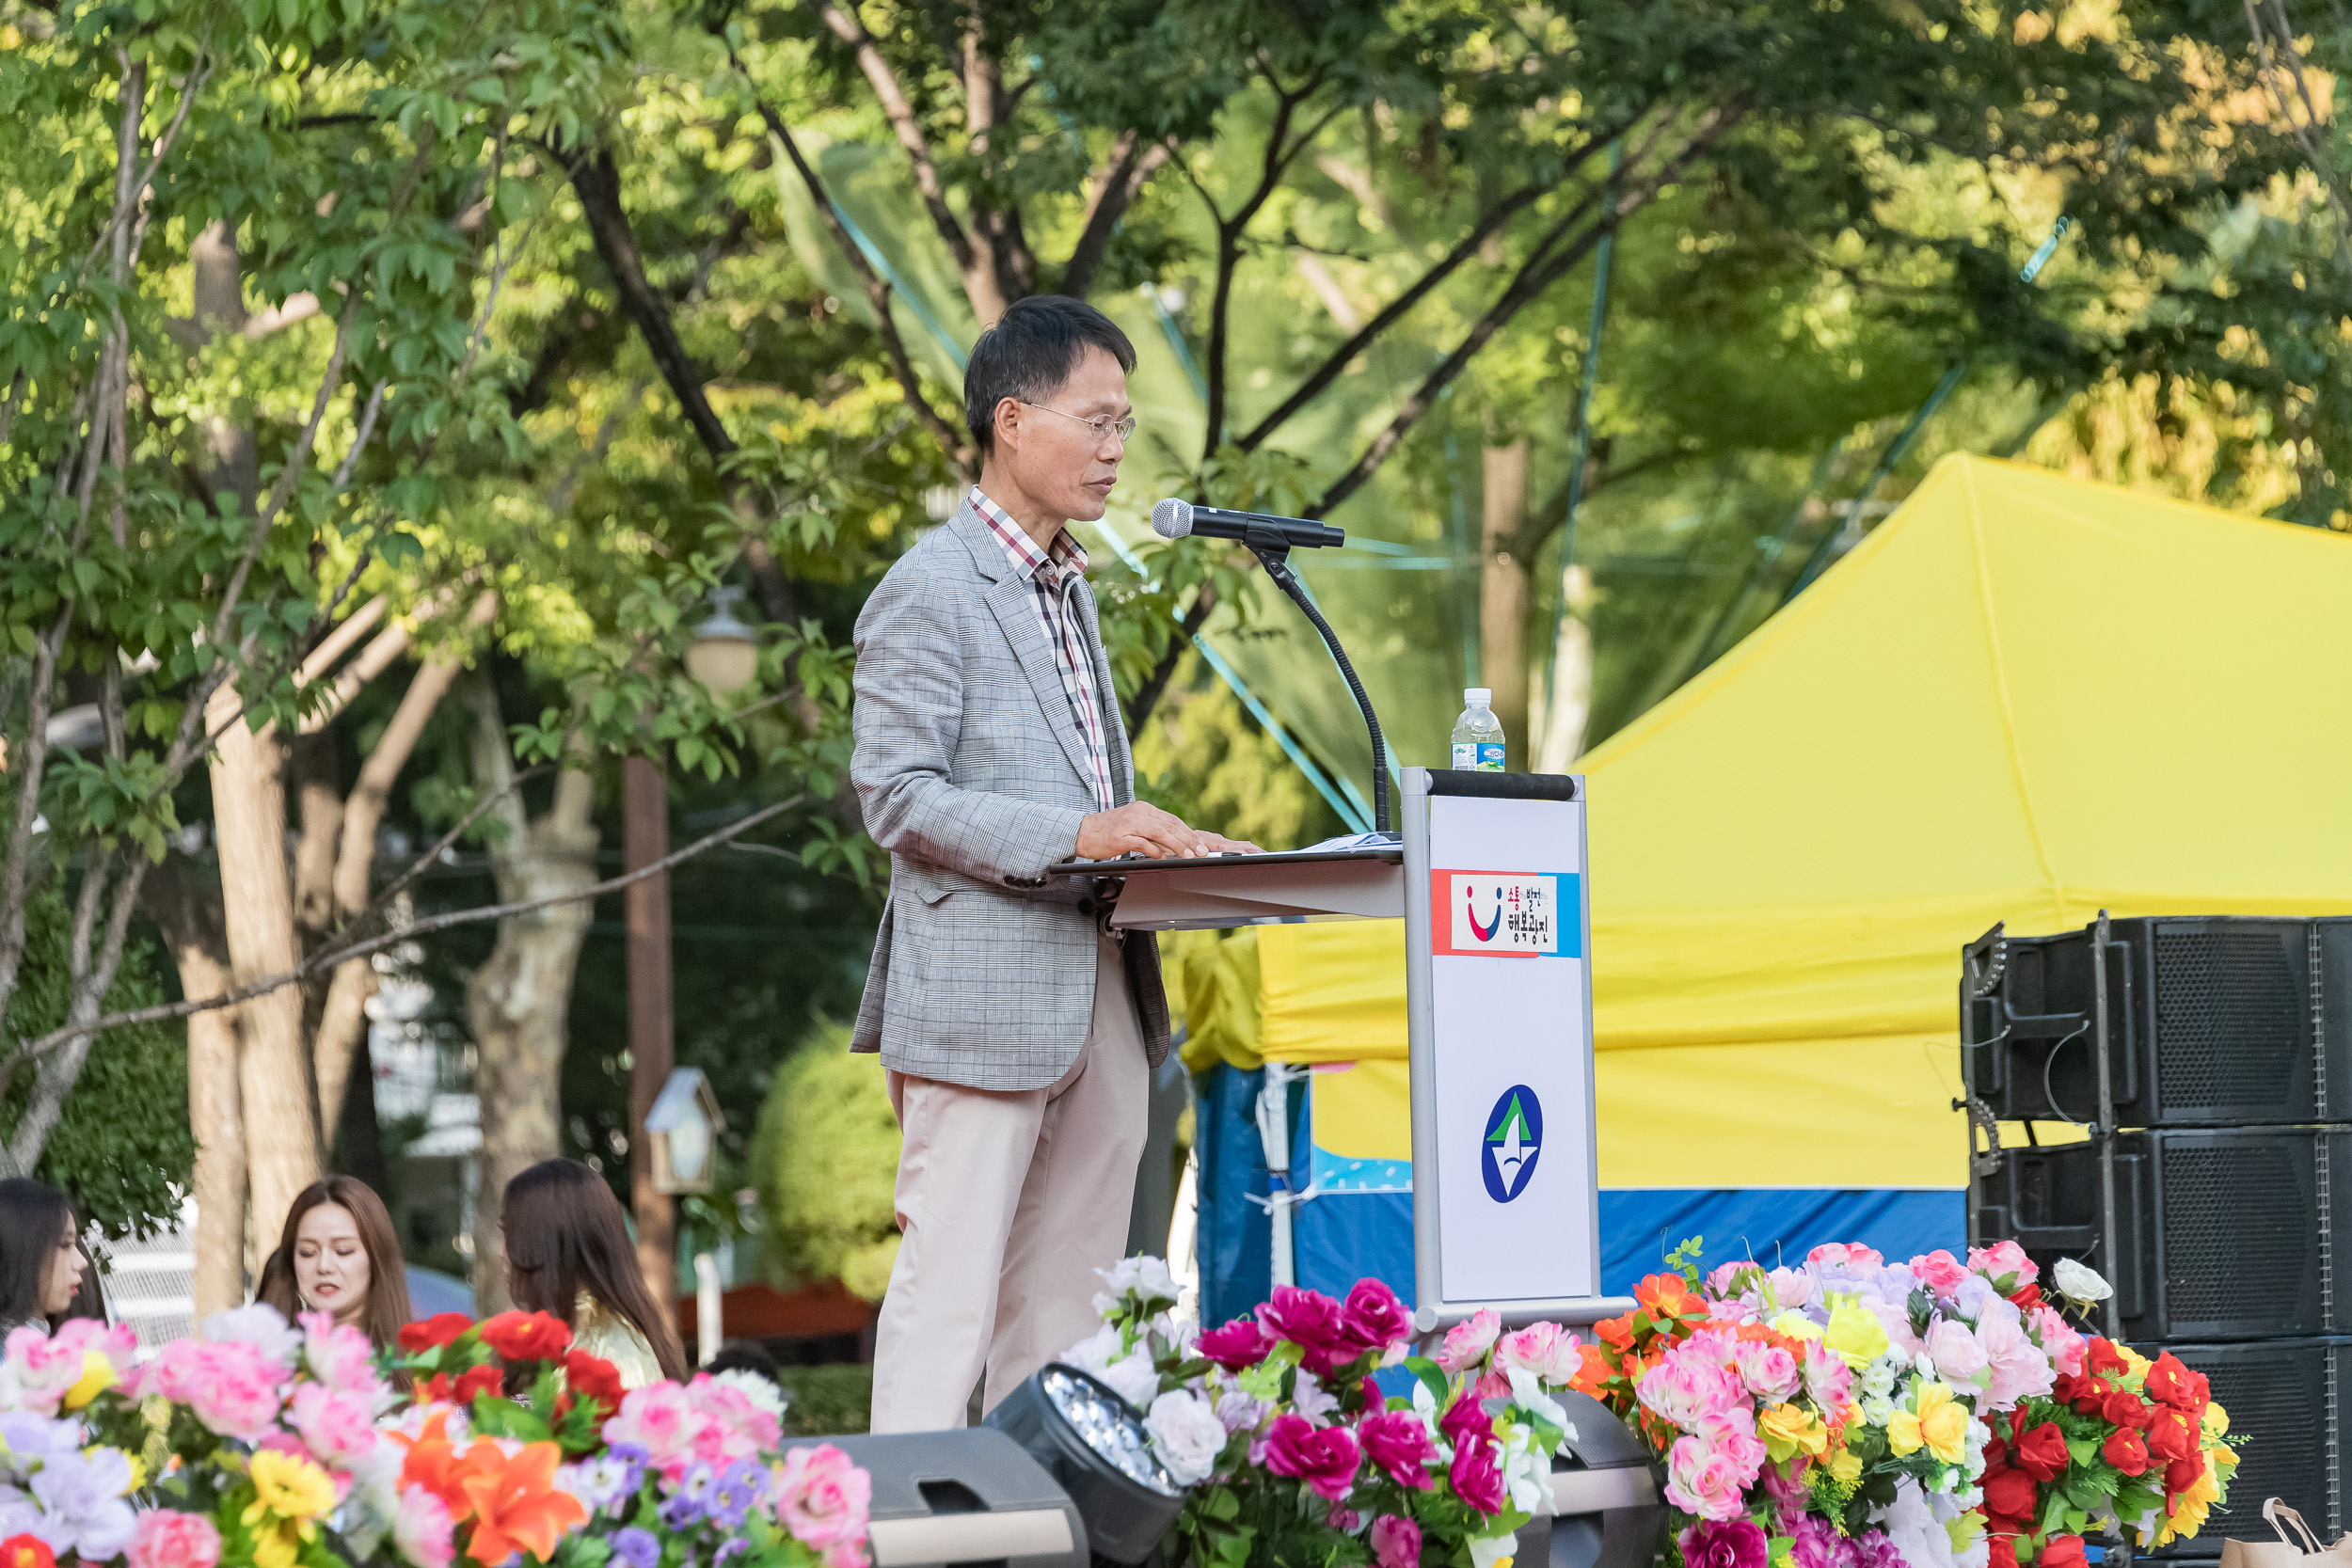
(1174, 519)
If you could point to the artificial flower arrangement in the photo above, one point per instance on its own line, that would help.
(286, 1446)
(1854, 1413)
(1291, 1454)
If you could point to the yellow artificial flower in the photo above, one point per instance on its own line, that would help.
(1845, 1467)
(2190, 1508)
(1797, 1327)
(1855, 1334)
(2132, 1358)
(275, 1547)
(2216, 1419)
(1963, 1528)
(1939, 1423)
(291, 1488)
(1788, 1430)
(98, 1375)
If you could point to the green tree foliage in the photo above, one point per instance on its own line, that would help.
(824, 1159)
(122, 1149)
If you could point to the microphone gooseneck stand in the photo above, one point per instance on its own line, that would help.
(1273, 553)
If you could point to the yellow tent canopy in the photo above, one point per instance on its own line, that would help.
(2022, 698)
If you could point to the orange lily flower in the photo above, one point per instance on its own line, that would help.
(517, 1508)
(435, 1463)
(1665, 1295)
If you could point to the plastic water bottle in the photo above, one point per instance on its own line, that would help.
(1478, 733)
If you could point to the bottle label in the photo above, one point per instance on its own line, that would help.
(1484, 757)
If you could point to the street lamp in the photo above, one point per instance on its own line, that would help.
(725, 655)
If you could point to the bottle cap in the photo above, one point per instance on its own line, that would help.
(1479, 694)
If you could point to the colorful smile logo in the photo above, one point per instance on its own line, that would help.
(1515, 1137)
(1484, 929)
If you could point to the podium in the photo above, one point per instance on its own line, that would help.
(1488, 875)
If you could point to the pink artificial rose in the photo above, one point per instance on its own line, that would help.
(1770, 1373)
(1236, 1347)
(339, 1428)
(823, 1499)
(1731, 1436)
(341, 1357)
(45, 1367)
(1791, 1288)
(1700, 1481)
(1396, 1441)
(166, 1538)
(1324, 1458)
(1955, 1351)
(1395, 1541)
(730, 1407)
(422, 1531)
(1730, 1544)
(2020, 1369)
(1845, 1254)
(1372, 1319)
(1940, 1271)
(659, 1420)
(1827, 1377)
(237, 1393)
(1477, 1478)
(1310, 1321)
(1684, 1387)
(1468, 1342)
(1545, 1350)
(2059, 1342)
(2003, 1258)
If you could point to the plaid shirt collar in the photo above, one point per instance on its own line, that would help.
(1020, 548)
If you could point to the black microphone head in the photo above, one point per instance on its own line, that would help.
(1172, 518)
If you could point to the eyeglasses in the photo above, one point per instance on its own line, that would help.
(1102, 425)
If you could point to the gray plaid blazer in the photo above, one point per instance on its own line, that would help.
(970, 772)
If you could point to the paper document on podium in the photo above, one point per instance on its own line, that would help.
(1356, 877)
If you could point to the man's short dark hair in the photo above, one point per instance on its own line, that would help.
(1029, 354)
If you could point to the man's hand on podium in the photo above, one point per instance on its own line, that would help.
(1139, 828)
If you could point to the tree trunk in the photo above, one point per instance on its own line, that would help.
(1502, 596)
(194, 929)
(1568, 690)
(518, 1003)
(280, 1102)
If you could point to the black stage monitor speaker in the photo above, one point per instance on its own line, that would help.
(1607, 1510)
(2292, 1397)
(964, 1498)
(2215, 1021)
(2221, 1235)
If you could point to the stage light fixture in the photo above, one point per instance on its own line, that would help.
(1091, 1441)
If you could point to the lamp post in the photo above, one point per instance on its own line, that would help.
(723, 658)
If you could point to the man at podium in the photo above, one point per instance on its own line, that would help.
(1018, 1030)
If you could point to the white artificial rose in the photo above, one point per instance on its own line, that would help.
(1187, 1436)
(2079, 1284)
(1129, 1373)
(1146, 1276)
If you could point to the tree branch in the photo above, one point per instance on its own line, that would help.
(1188, 627)
(326, 959)
(1549, 262)
(957, 447)
(1115, 189)
(980, 281)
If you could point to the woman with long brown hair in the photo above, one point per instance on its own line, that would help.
(569, 1255)
(42, 1261)
(339, 1255)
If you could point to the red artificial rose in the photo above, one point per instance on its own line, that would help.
(26, 1551)
(2171, 1382)
(2123, 1408)
(476, 1381)
(2063, 1551)
(2066, 1388)
(2172, 1435)
(2126, 1453)
(526, 1335)
(1995, 1454)
(2042, 1453)
(2008, 1494)
(435, 1332)
(2181, 1474)
(2103, 1360)
(592, 1377)
(2004, 1552)
(2026, 1295)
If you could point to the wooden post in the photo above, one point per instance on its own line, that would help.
(645, 838)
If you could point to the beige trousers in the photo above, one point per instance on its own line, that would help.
(1007, 1203)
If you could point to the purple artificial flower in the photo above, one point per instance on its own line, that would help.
(1723, 1543)
(741, 1487)
(681, 1511)
(638, 1548)
(730, 1549)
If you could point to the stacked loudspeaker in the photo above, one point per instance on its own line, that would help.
(2211, 1060)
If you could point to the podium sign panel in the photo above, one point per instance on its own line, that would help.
(1499, 993)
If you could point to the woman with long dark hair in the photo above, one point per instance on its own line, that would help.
(42, 1262)
(339, 1255)
(569, 1255)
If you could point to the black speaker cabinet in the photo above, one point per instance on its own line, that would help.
(2216, 1020)
(2221, 1235)
(2290, 1397)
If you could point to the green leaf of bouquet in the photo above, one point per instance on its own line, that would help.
(1432, 1376)
(499, 1417)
